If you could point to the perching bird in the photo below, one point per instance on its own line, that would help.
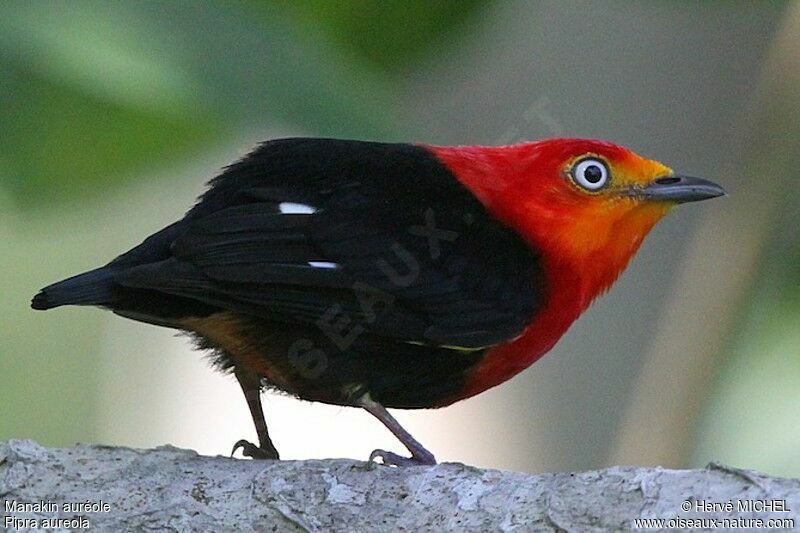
(389, 275)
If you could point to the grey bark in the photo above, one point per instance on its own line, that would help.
(178, 490)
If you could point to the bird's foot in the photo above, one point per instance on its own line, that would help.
(254, 452)
(422, 458)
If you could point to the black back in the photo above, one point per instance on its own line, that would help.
(382, 233)
(349, 267)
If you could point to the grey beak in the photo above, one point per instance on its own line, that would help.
(679, 189)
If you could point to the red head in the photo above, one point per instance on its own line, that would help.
(585, 205)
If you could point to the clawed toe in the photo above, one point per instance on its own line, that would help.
(254, 452)
(392, 459)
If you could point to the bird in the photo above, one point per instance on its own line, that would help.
(388, 275)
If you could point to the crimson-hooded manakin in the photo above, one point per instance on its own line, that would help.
(388, 275)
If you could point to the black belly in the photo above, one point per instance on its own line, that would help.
(339, 370)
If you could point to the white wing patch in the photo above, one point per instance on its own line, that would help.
(322, 264)
(291, 208)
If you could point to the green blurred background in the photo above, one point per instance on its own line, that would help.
(114, 114)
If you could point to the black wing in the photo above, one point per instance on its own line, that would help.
(347, 234)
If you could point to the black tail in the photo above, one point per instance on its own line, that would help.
(90, 288)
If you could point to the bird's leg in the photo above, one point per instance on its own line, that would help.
(419, 455)
(251, 387)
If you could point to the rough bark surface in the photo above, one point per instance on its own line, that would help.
(178, 490)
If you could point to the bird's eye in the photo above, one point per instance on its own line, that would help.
(591, 174)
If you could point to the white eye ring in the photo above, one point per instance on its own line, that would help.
(590, 173)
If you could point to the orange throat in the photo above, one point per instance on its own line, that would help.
(584, 240)
(576, 275)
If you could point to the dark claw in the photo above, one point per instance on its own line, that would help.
(254, 452)
(392, 459)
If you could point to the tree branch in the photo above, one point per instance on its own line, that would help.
(172, 489)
